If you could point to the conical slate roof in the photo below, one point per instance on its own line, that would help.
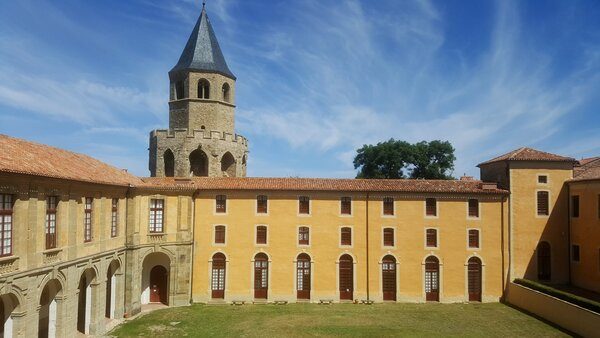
(202, 51)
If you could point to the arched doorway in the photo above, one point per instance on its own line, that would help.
(48, 314)
(111, 289)
(169, 160)
(8, 303)
(261, 276)
(346, 275)
(85, 300)
(474, 279)
(218, 276)
(155, 278)
(432, 279)
(388, 277)
(303, 276)
(198, 163)
(544, 261)
(228, 165)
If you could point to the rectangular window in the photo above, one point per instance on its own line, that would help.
(473, 238)
(220, 234)
(114, 217)
(157, 210)
(87, 221)
(303, 235)
(6, 214)
(542, 179)
(346, 236)
(388, 206)
(542, 203)
(575, 252)
(575, 206)
(431, 238)
(430, 207)
(51, 204)
(473, 208)
(261, 234)
(346, 206)
(261, 204)
(221, 204)
(388, 237)
(304, 205)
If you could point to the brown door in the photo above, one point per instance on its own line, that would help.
(474, 278)
(346, 278)
(158, 285)
(303, 277)
(261, 276)
(432, 279)
(544, 261)
(388, 277)
(218, 276)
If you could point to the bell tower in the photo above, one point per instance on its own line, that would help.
(201, 139)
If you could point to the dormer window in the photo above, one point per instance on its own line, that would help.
(203, 89)
(226, 92)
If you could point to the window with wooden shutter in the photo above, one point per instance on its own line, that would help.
(346, 206)
(542, 203)
(114, 217)
(575, 206)
(261, 204)
(542, 179)
(157, 209)
(220, 234)
(346, 236)
(6, 224)
(388, 206)
(304, 205)
(221, 204)
(430, 207)
(473, 238)
(261, 234)
(303, 235)
(473, 208)
(575, 252)
(87, 220)
(388, 237)
(51, 205)
(431, 238)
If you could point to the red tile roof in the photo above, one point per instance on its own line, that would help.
(529, 154)
(320, 184)
(587, 169)
(25, 157)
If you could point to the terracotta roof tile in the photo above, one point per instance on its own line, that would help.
(320, 184)
(25, 157)
(587, 169)
(529, 154)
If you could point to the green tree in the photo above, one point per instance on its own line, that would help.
(392, 158)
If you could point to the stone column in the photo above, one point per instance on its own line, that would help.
(97, 325)
(119, 295)
(21, 323)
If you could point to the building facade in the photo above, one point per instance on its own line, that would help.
(85, 244)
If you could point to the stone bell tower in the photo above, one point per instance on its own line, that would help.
(201, 139)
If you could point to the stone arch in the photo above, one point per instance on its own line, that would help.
(111, 288)
(244, 159)
(85, 300)
(226, 92)
(179, 90)
(50, 310)
(228, 165)
(169, 162)
(9, 303)
(203, 89)
(156, 268)
(198, 163)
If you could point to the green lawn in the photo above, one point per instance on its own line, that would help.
(298, 320)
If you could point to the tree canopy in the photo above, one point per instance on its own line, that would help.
(400, 159)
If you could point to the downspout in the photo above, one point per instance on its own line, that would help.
(569, 230)
(367, 246)
(193, 228)
(502, 247)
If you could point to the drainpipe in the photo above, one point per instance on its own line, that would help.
(193, 251)
(367, 229)
(502, 248)
(569, 230)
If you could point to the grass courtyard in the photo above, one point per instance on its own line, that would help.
(301, 320)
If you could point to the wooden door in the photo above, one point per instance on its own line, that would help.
(303, 277)
(388, 277)
(474, 279)
(158, 285)
(346, 277)
(544, 261)
(432, 279)
(261, 276)
(218, 276)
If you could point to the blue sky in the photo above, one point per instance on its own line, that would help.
(316, 78)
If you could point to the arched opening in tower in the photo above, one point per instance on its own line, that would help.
(228, 165)
(169, 160)
(198, 163)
